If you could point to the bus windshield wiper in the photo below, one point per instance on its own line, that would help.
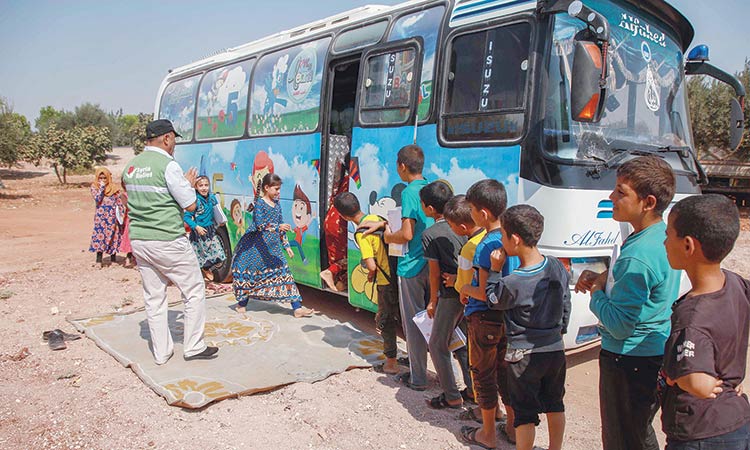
(685, 152)
(619, 155)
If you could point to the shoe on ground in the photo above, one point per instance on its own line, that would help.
(208, 353)
(66, 336)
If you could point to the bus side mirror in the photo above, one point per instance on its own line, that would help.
(736, 124)
(586, 92)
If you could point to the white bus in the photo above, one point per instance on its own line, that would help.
(548, 97)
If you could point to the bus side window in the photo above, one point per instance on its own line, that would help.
(388, 83)
(178, 106)
(486, 84)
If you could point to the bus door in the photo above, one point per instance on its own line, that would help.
(335, 160)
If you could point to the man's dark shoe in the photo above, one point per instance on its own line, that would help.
(208, 353)
(66, 336)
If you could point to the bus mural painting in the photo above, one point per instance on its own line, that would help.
(328, 105)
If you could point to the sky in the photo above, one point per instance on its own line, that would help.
(116, 54)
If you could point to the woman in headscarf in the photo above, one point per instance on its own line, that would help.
(106, 235)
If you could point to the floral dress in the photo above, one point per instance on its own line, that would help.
(260, 269)
(208, 247)
(106, 235)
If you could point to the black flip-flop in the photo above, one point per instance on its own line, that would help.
(467, 397)
(470, 414)
(66, 336)
(440, 402)
(469, 435)
(405, 379)
(56, 340)
(504, 433)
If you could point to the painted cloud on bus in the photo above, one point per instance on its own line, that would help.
(373, 175)
(461, 178)
(299, 171)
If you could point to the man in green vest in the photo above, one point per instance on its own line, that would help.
(158, 192)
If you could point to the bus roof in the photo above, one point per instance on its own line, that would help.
(299, 33)
(658, 8)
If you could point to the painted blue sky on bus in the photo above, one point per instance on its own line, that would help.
(116, 54)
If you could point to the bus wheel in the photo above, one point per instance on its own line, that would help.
(223, 272)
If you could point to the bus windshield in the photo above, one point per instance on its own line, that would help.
(646, 105)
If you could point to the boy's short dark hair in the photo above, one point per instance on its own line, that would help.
(525, 221)
(650, 175)
(412, 157)
(488, 194)
(346, 204)
(711, 219)
(436, 194)
(458, 211)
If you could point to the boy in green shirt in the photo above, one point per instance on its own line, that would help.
(635, 315)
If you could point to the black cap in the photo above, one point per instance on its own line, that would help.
(156, 128)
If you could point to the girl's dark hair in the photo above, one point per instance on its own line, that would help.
(270, 179)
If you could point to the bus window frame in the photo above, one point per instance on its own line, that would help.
(199, 75)
(415, 43)
(203, 76)
(323, 83)
(526, 110)
(439, 53)
(354, 50)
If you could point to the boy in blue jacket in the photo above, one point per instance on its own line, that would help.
(635, 316)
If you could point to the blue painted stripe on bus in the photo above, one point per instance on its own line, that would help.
(481, 8)
(605, 204)
(604, 215)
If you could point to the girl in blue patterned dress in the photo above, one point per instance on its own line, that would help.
(260, 270)
(203, 237)
(106, 235)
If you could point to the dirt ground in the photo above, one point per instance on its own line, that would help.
(82, 398)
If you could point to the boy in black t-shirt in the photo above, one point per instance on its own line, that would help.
(706, 353)
(441, 247)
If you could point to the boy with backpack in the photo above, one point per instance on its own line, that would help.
(375, 259)
(536, 301)
(441, 247)
(706, 353)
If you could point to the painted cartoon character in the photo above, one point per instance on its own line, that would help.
(301, 216)
(272, 84)
(213, 94)
(238, 217)
(261, 166)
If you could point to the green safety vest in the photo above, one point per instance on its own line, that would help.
(154, 214)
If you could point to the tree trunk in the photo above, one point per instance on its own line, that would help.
(57, 173)
(65, 175)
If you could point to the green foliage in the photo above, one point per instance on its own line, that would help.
(137, 132)
(77, 148)
(48, 116)
(709, 114)
(14, 131)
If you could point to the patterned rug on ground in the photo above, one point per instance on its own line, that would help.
(260, 350)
